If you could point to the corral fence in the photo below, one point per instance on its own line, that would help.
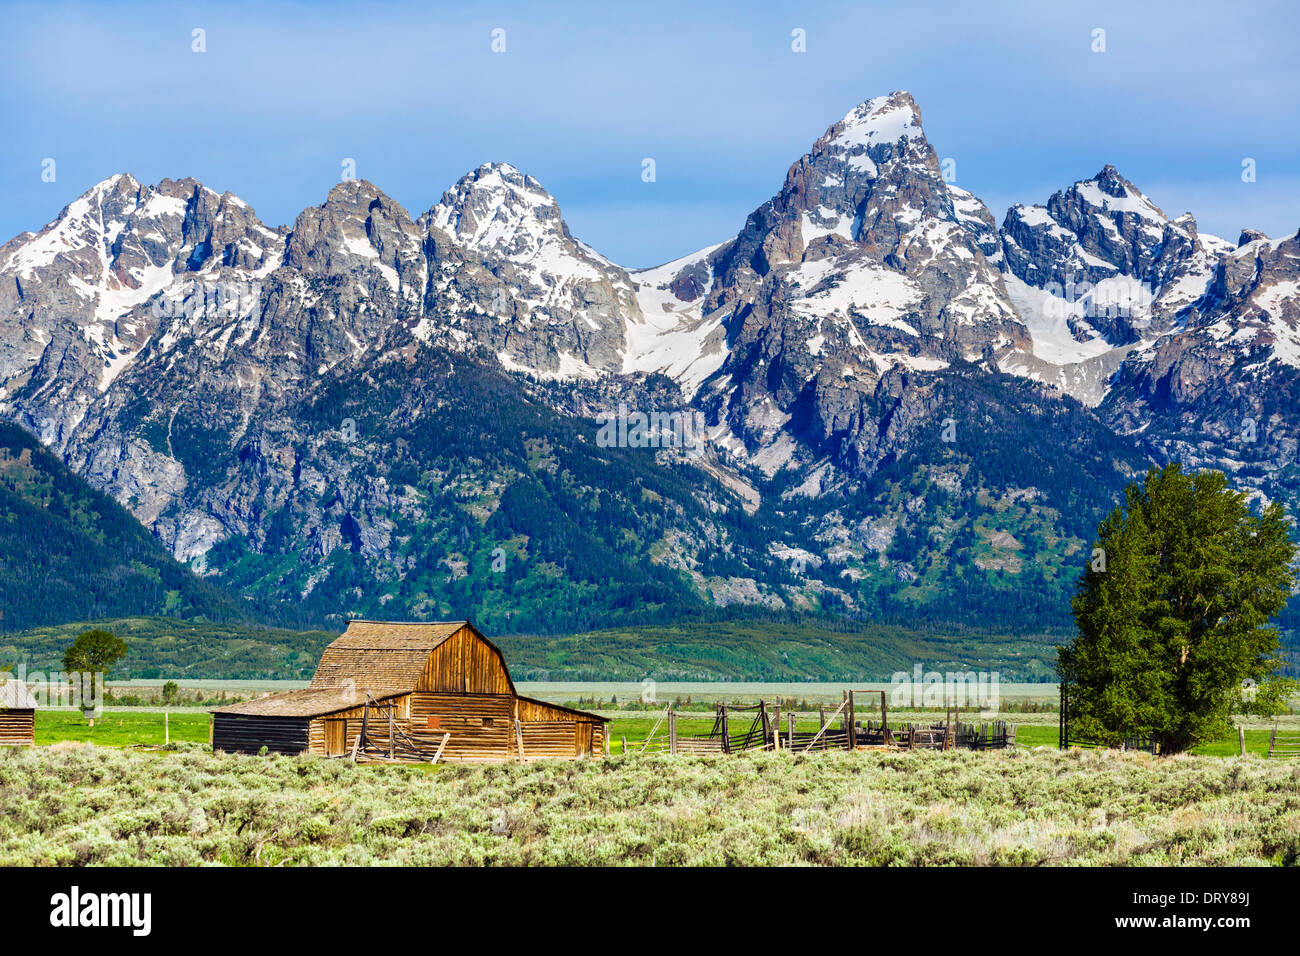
(1068, 738)
(1137, 742)
(987, 736)
(760, 726)
(382, 739)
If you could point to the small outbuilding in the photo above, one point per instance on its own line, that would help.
(17, 714)
(440, 685)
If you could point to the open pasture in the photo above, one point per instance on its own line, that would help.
(123, 728)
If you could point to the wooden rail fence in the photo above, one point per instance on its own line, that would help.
(1136, 742)
(381, 740)
(1284, 743)
(1066, 738)
(759, 727)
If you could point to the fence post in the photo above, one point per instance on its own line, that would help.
(624, 738)
(1063, 727)
(791, 720)
(672, 732)
(1241, 735)
(726, 738)
(853, 724)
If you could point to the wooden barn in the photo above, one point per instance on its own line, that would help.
(17, 714)
(440, 687)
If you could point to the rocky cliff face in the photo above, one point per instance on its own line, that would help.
(1097, 271)
(506, 275)
(366, 406)
(1222, 388)
(865, 268)
(1183, 341)
(77, 299)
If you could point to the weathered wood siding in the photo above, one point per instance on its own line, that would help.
(465, 664)
(481, 725)
(540, 710)
(462, 681)
(336, 737)
(482, 728)
(17, 727)
(352, 718)
(316, 735)
(555, 739)
(545, 724)
(244, 733)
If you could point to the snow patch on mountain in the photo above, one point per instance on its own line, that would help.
(671, 334)
(865, 291)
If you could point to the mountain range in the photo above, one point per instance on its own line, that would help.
(904, 410)
(68, 552)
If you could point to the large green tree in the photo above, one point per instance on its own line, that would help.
(93, 652)
(1173, 612)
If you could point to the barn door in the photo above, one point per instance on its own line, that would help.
(584, 740)
(336, 737)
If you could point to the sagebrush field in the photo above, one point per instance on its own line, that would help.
(77, 804)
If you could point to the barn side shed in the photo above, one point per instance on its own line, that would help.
(17, 714)
(421, 680)
(294, 722)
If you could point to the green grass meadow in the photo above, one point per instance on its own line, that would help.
(124, 728)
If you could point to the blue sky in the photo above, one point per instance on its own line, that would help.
(584, 92)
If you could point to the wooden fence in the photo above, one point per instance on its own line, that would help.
(1139, 742)
(1284, 743)
(382, 738)
(988, 736)
(1067, 738)
(760, 727)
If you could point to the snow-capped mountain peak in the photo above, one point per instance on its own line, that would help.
(506, 274)
(78, 305)
(823, 333)
(497, 210)
(891, 120)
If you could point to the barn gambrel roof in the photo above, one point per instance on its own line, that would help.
(379, 658)
(386, 655)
